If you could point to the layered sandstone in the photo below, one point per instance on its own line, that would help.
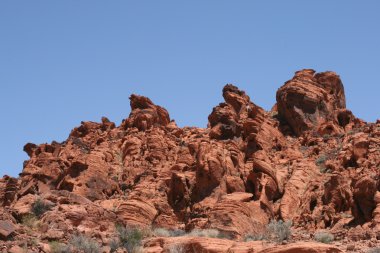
(309, 160)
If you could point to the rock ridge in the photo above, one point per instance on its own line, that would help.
(309, 160)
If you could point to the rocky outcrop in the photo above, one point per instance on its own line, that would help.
(308, 160)
(310, 100)
(145, 114)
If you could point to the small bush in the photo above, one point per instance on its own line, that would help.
(212, 233)
(114, 245)
(257, 237)
(321, 160)
(130, 237)
(176, 248)
(84, 244)
(177, 232)
(279, 230)
(39, 207)
(57, 247)
(323, 237)
(162, 232)
(30, 220)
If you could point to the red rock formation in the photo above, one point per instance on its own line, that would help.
(310, 100)
(244, 170)
(145, 114)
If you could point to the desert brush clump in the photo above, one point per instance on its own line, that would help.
(255, 237)
(30, 220)
(279, 230)
(114, 245)
(211, 233)
(163, 232)
(84, 244)
(77, 243)
(130, 237)
(323, 237)
(275, 231)
(57, 247)
(39, 207)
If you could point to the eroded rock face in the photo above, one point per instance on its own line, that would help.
(194, 245)
(145, 114)
(245, 169)
(310, 99)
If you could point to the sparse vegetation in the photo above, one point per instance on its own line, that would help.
(84, 244)
(30, 221)
(130, 237)
(162, 232)
(57, 247)
(211, 233)
(176, 248)
(320, 162)
(114, 245)
(276, 231)
(256, 237)
(323, 237)
(39, 207)
(279, 230)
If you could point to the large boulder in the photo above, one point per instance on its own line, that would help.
(310, 99)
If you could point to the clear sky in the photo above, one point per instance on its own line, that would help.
(62, 62)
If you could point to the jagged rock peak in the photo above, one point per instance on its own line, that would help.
(140, 102)
(227, 119)
(309, 100)
(145, 114)
(235, 97)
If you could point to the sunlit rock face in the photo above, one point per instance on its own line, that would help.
(308, 160)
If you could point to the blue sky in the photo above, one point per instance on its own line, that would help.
(62, 62)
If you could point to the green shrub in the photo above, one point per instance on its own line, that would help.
(114, 245)
(130, 237)
(39, 207)
(84, 244)
(30, 220)
(321, 160)
(323, 237)
(279, 230)
(57, 247)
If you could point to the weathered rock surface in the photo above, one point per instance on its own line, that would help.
(214, 245)
(6, 228)
(310, 100)
(309, 160)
